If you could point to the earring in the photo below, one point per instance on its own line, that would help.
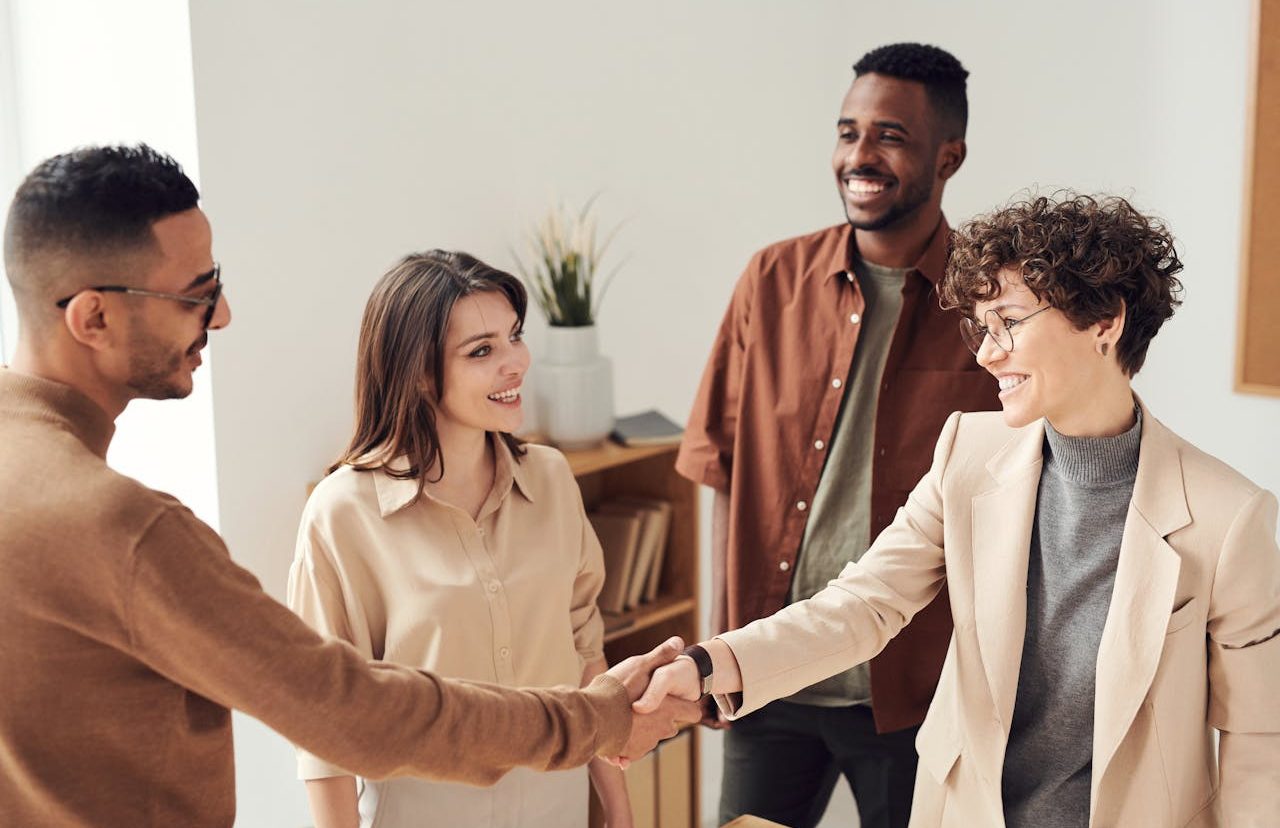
(1105, 347)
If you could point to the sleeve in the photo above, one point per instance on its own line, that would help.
(315, 596)
(584, 615)
(706, 450)
(204, 623)
(1244, 664)
(856, 615)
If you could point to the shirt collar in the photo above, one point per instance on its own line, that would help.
(931, 264)
(34, 397)
(395, 493)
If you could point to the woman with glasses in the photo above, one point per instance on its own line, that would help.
(439, 541)
(1115, 590)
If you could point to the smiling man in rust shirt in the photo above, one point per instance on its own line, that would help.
(829, 381)
(126, 631)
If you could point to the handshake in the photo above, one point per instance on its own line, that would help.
(664, 693)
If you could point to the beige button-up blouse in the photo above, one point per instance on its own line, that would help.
(508, 598)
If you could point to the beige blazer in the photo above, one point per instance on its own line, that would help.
(1189, 644)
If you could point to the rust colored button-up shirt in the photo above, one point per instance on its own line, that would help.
(766, 409)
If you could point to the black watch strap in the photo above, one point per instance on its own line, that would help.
(702, 658)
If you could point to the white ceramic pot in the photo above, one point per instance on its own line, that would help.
(573, 388)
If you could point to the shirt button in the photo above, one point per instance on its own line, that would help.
(848, 275)
(504, 652)
(493, 586)
(854, 318)
(819, 445)
(836, 383)
(480, 530)
(802, 505)
(784, 566)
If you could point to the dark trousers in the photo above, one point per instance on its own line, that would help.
(782, 762)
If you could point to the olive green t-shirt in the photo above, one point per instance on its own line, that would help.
(839, 527)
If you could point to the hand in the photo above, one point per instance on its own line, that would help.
(711, 715)
(660, 722)
(634, 672)
(649, 728)
(679, 679)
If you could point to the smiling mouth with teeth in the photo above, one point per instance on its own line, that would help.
(510, 395)
(1007, 383)
(862, 186)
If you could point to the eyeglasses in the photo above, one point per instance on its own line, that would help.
(210, 302)
(998, 327)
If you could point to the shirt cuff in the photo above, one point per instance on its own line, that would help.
(609, 698)
(311, 767)
(707, 473)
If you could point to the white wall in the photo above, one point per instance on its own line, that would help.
(81, 72)
(336, 136)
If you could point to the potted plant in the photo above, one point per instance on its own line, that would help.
(573, 387)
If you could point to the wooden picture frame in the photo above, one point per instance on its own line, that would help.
(1258, 317)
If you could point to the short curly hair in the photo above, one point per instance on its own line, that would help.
(943, 76)
(1086, 256)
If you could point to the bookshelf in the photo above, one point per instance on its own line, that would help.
(612, 471)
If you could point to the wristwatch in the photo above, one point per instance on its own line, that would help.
(702, 659)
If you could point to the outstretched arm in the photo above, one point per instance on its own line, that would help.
(200, 620)
(845, 624)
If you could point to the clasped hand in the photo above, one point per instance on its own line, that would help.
(664, 694)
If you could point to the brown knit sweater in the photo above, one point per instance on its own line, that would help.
(127, 633)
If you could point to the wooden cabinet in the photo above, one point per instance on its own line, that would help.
(612, 471)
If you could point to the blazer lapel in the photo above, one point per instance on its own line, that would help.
(1003, 518)
(1145, 588)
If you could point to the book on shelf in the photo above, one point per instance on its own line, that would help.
(655, 515)
(619, 538)
(648, 428)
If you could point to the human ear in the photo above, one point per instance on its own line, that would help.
(87, 320)
(951, 155)
(1107, 332)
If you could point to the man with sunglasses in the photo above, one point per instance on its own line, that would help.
(126, 632)
(155, 365)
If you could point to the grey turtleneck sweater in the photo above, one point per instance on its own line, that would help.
(1085, 488)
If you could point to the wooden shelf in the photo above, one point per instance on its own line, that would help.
(611, 471)
(611, 454)
(645, 616)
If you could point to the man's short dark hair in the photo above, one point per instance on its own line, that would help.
(938, 70)
(92, 201)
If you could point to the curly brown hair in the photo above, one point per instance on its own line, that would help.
(1085, 256)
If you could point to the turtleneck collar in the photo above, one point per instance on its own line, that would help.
(24, 395)
(1093, 461)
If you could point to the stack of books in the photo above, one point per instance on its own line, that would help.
(633, 533)
(648, 428)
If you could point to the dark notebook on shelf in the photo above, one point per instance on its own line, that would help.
(649, 428)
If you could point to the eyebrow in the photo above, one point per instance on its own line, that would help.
(486, 335)
(898, 125)
(1000, 309)
(476, 338)
(201, 279)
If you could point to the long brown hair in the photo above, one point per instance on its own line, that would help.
(400, 360)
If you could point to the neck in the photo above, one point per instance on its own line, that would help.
(466, 452)
(1108, 411)
(902, 243)
(48, 362)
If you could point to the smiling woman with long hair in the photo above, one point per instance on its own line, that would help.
(439, 541)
